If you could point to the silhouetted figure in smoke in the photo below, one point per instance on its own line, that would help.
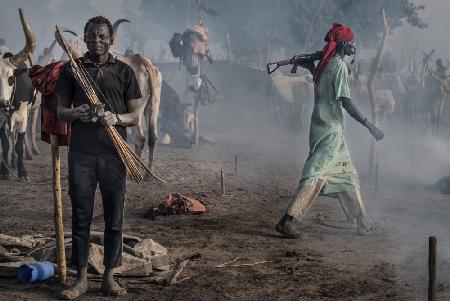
(440, 69)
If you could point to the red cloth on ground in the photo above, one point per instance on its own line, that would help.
(176, 203)
(337, 34)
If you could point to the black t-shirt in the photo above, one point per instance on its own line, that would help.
(117, 83)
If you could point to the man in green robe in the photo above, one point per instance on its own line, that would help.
(329, 170)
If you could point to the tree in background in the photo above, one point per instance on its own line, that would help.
(257, 28)
(315, 18)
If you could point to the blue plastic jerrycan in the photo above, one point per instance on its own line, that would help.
(36, 271)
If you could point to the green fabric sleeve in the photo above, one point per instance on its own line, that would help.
(341, 87)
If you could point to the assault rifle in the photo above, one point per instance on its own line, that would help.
(302, 60)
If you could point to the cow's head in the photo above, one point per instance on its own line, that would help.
(9, 63)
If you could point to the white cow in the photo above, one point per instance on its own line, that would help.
(294, 91)
(19, 117)
(384, 97)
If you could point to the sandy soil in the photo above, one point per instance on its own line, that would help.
(331, 264)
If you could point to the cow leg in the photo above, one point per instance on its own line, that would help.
(31, 132)
(19, 123)
(21, 171)
(4, 171)
(302, 116)
(152, 139)
(152, 131)
(139, 138)
(33, 127)
(13, 154)
(28, 154)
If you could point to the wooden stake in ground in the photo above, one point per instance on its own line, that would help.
(196, 122)
(228, 44)
(432, 242)
(57, 210)
(236, 170)
(376, 179)
(222, 181)
(370, 87)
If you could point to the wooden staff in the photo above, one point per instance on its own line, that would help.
(228, 44)
(222, 181)
(57, 210)
(236, 170)
(196, 122)
(376, 179)
(371, 89)
(432, 242)
(57, 204)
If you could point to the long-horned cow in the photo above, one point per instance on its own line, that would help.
(19, 117)
(150, 81)
(293, 91)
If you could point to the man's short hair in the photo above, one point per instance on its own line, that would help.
(100, 20)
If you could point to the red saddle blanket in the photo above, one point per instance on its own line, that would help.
(44, 80)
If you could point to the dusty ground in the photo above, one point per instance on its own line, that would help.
(330, 264)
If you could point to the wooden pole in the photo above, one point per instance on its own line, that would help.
(222, 181)
(236, 170)
(370, 87)
(228, 44)
(432, 242)
(57, 211)
(376, 179)
(196, 121)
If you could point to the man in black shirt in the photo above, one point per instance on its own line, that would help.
(93, 158)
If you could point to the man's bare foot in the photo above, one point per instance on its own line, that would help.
(77, 289)
(112, 289)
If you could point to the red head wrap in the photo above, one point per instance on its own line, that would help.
(337, 34)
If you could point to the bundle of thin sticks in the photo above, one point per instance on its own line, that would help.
(129, 158)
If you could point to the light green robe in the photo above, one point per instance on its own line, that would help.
(328, 156)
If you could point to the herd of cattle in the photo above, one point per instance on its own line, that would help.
(413, 95)
(408, 94)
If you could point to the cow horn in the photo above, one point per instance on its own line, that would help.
(30, 45)
(116, 24)
(115, 27)
(52, 47)
(47, 56)
(73, 51)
